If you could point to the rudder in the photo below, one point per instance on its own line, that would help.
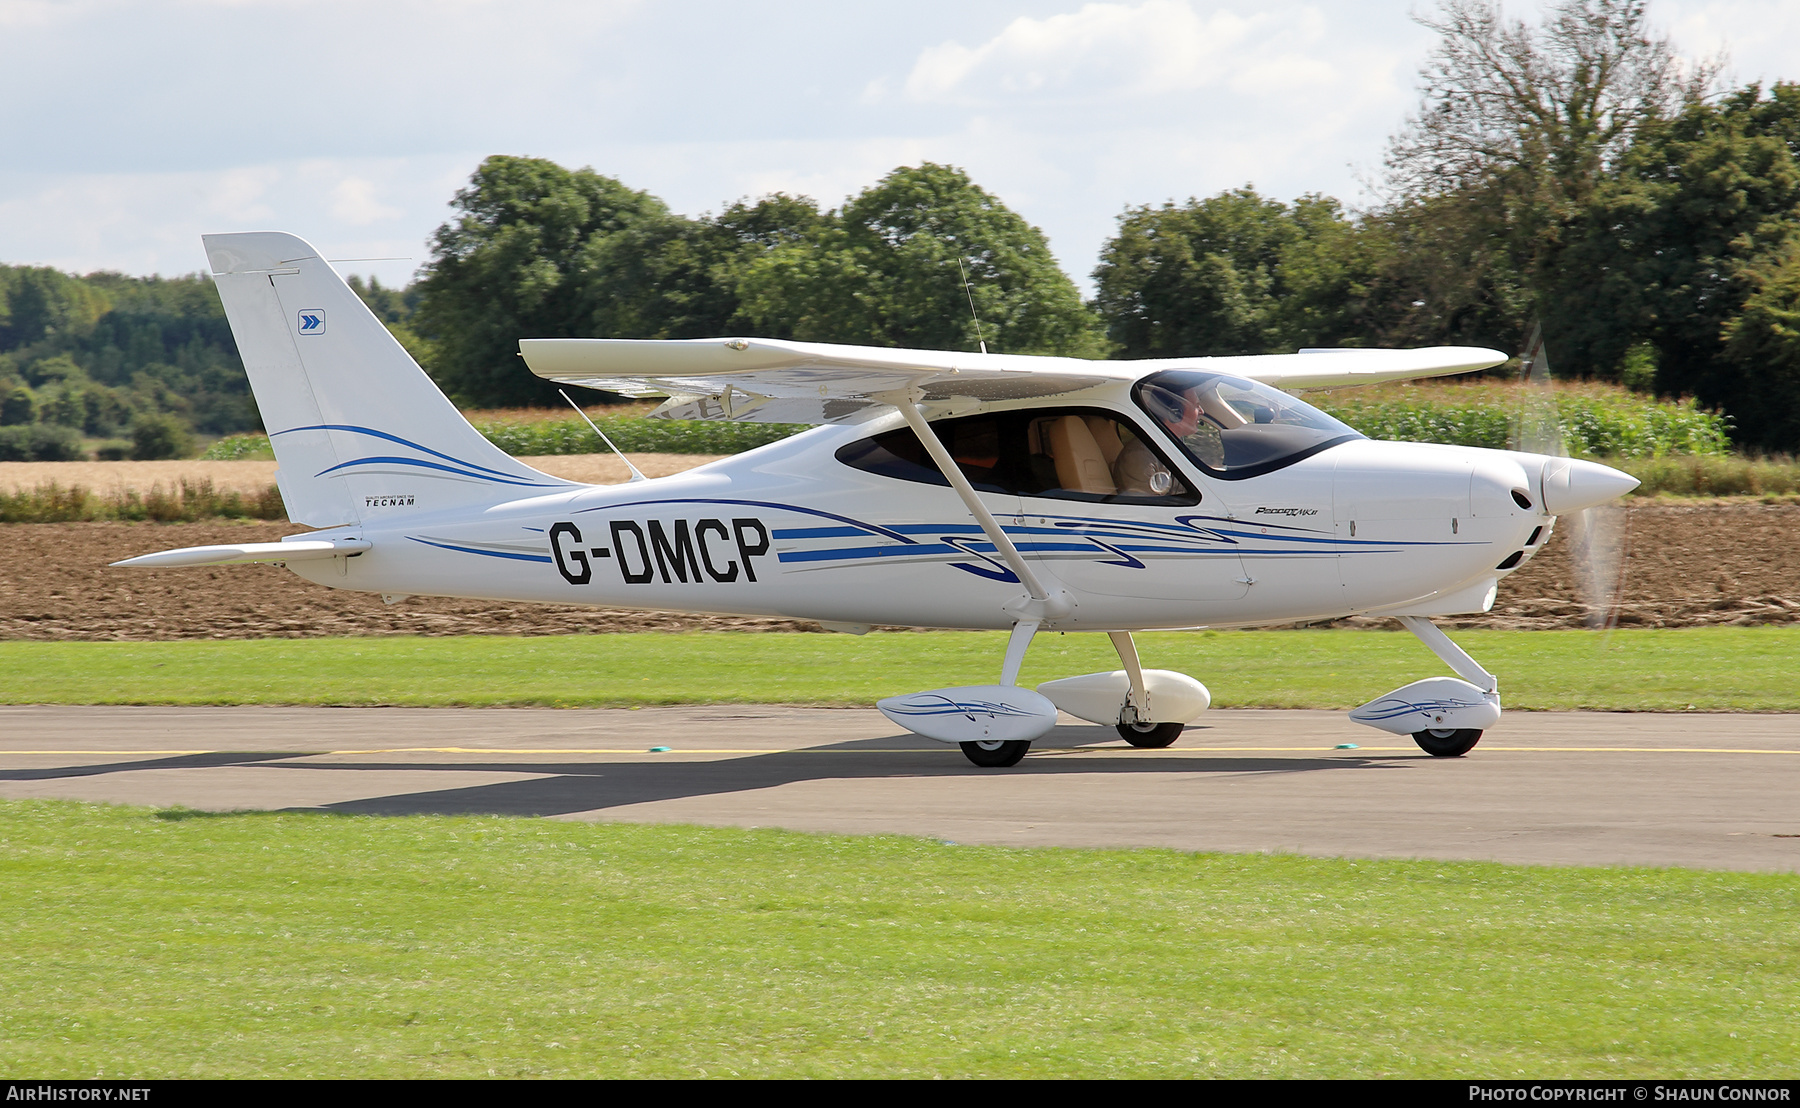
(359, 430)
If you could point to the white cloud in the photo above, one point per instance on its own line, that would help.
(1760, 40)
(152, 222)
(37, 13)
(1102, 50)
(353, 202)
(352, 123)
(237, 195)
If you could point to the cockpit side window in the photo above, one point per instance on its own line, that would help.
(1236, 428)
(1061, 453)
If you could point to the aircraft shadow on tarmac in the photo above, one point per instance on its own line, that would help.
(567, 787)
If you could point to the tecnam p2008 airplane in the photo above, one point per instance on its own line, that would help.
(940, 489)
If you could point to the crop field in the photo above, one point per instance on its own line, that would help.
(1592, 419)
(241, 488)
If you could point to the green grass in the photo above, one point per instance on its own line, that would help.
(1736, 669)
(171, 944)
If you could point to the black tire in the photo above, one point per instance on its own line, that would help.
(1446, 743)
(996, 755)
(1151, 736)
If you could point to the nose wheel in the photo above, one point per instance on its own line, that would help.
(1447, 742)
(994, 754)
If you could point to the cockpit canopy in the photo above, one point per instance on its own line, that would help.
(1235, 428)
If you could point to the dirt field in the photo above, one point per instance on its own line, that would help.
(1687, 564)
(254, 476)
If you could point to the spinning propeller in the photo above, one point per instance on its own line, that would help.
(1598, 535)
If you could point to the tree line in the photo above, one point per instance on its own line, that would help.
(1577, 172)
(141, 361)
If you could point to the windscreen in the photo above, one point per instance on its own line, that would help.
(1235, 428)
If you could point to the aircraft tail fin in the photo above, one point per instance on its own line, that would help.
(359, 430)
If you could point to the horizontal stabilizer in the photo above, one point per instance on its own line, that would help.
(301, 550)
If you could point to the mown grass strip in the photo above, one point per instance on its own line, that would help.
(1732, 669)
(173, 944)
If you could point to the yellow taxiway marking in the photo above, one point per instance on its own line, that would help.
(133, 753)
(1188, 751)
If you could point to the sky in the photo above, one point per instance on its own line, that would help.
(133, 126)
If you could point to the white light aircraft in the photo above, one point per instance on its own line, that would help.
(939, 489)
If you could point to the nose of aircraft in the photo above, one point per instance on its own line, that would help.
(1570, 485)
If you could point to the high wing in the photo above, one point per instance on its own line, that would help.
(777, 381)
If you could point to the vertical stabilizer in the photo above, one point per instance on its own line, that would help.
(359, 430)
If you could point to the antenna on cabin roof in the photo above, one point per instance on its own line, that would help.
(971, 294)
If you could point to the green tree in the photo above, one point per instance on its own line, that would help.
(18, 406)
(156, 435)
(395, 308)
(1237, 273)
(884, 272)
(156, 342)
(37, 303)
(1519, 129)
(1763, 344)
(1538, 113)
(1703, 219)
(516, 262)
(677, 278)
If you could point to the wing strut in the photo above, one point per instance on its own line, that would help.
(1452, 655)
(1038, 604)
(915, 418)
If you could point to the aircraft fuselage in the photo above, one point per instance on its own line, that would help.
(789, 530)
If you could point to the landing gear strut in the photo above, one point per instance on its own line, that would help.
(1444, 715)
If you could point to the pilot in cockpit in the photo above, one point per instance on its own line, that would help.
(1138, 469)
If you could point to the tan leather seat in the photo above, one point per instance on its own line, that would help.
(1106, 434)
(1081, 465)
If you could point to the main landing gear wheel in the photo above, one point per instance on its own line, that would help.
(1444, 742)
(993, 754)
(1150, 736)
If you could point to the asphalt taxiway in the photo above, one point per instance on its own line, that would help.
(1715, 791)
